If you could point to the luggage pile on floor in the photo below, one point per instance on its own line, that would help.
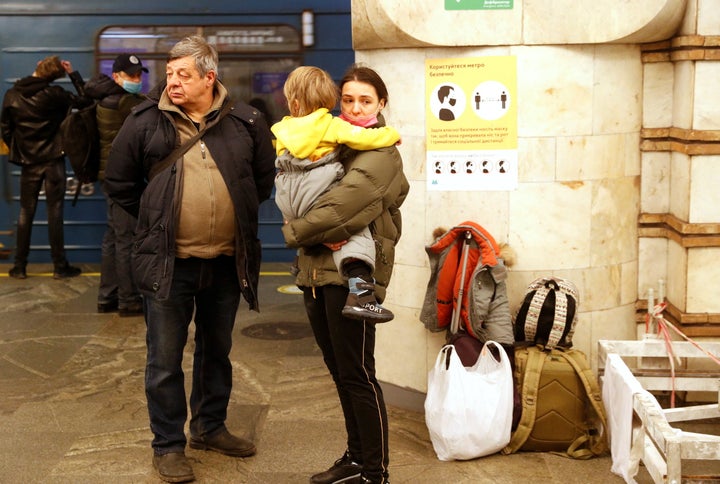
(504, 383)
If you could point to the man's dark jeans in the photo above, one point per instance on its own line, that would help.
(116, 280)
(210, 288)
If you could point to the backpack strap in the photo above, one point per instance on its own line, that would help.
(528, 394)
(559, 316)
(596, 442)
(571, 293)
(533, 312)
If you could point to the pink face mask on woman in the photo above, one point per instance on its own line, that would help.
(362, 121)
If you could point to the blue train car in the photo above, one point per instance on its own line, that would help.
(258, 44)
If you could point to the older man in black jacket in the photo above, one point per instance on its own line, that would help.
(196, 249)
(30, 121)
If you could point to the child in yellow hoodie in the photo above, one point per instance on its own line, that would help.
(308, 165)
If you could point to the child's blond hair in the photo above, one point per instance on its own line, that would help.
(308, 89)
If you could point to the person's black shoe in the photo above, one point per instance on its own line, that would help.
(173, 467)
(135, 309)
(343, 470)
(107, 307)
(18, 272)
(66, 271)
(224, 442)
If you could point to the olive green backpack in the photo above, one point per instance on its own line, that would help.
(562, 408)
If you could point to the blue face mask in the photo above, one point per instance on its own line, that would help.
(132, 87)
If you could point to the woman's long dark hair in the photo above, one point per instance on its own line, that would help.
(360, 73)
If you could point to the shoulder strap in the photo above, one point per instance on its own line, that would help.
(533, 312)
(183, 148)
(528, 394)
(559, 318)
(597, 441)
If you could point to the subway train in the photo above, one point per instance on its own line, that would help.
(259, 43)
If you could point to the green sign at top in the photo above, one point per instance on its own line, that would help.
(478, 4)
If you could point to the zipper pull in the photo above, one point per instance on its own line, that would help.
(202, 148)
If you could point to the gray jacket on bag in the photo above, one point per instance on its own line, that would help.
(485, 310)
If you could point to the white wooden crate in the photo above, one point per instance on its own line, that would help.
(663, 448)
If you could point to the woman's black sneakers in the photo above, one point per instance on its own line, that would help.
(343, 470)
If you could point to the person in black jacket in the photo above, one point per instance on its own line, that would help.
(116, 96)
(196, 247)
(30, 120)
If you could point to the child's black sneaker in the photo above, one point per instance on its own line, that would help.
(361, 303)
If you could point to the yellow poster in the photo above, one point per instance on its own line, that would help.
(471, 127)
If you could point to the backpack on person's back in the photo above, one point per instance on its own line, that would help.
(81, 143)
(562, 409)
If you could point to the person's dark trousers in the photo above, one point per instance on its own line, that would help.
(31, 182)
(210, 288)
(348, 348)
(116, 281)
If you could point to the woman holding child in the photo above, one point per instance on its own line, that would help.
(368, 195)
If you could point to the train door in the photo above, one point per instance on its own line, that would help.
(254, 62)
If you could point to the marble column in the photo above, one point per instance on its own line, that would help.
(580, 103)
(680, 221)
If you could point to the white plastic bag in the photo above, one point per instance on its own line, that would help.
(468, 410)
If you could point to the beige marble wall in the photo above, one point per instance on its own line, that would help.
(382, 24)
(657, 108)
(677, 259)
(580, 111)
(703, 266)
(680, 185)
(706, 111)
(683, 94)
(704, 189)
(706, 16)
(574, 213)
(652, 258)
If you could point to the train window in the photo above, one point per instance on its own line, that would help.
(254, 59)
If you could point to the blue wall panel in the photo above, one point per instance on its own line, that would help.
(33, 29)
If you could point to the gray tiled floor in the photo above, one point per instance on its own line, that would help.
(73, 409)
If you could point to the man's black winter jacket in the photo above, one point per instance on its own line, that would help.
(31, 115)
(241, 146)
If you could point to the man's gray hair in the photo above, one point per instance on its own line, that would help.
(195, 46)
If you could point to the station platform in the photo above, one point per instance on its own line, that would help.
(72, 405)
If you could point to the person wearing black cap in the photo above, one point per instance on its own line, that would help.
(32, 111)
(116, 96)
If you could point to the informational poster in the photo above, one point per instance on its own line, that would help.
(471, 126)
